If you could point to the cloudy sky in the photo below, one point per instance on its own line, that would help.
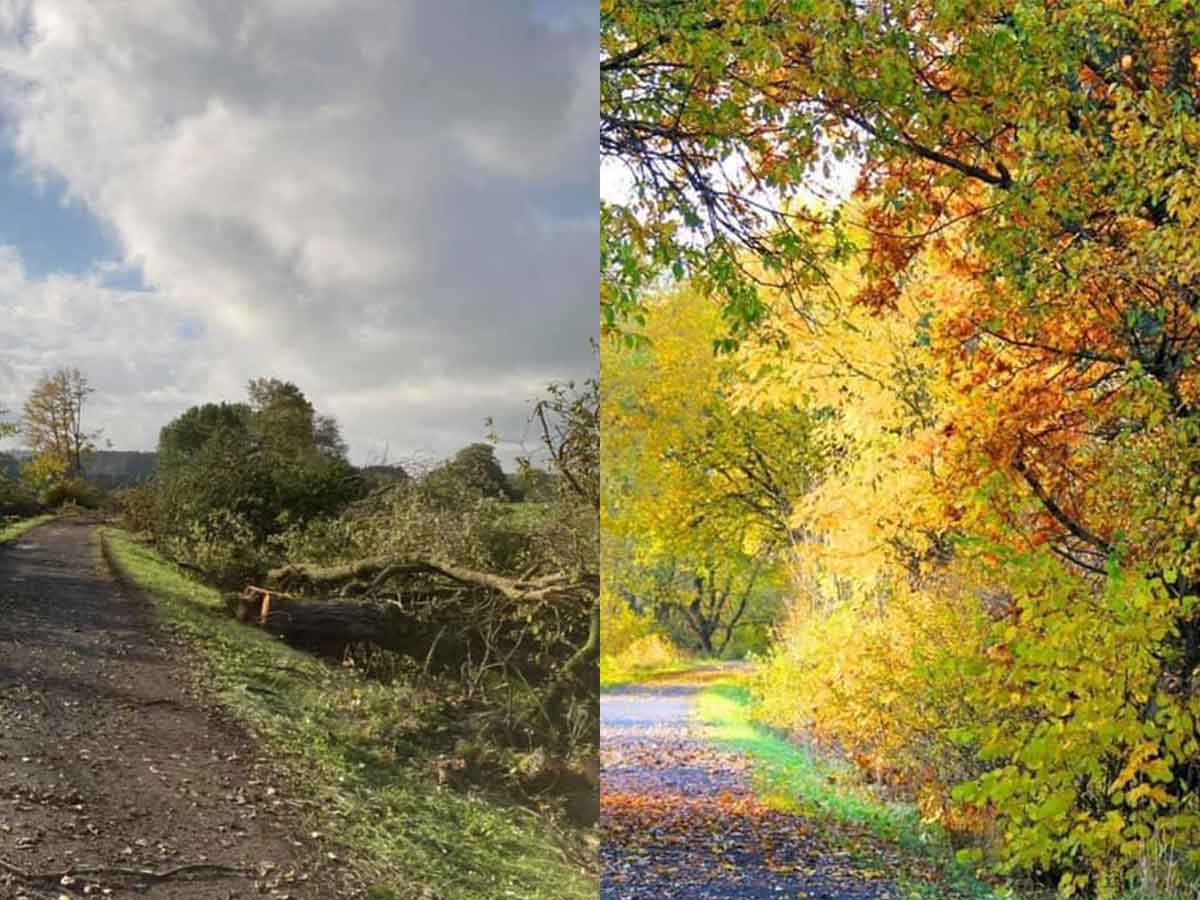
(391, 203)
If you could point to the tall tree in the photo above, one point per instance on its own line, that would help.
(183, 438)
(686, 454)
(1043, 151)
(288, 425)
(698, 483)
(52, 420)
(1048, 137)
(477, 467)
(1045, 155)
(283, 417)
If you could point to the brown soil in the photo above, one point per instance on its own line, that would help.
(111, 758)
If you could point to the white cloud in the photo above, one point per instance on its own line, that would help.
(126, 341)
(391, 203)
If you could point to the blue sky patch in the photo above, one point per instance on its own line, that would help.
(191, 330)
(125, 278)
(52, 235)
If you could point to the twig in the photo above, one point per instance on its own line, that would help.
(147, 874)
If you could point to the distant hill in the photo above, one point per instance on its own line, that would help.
(11, 462)
(106, 468)
(120, 468)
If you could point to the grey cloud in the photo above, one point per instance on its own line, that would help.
(375, 199)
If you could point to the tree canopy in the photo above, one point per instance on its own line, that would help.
(52, 419)
(184, 437)
(997, 331)
(699, 487)
(1052, 139)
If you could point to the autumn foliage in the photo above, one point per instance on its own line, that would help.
(998, 334)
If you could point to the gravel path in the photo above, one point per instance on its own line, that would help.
(109, 757)
(680, 819)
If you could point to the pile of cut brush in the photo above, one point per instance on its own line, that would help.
(542, 629)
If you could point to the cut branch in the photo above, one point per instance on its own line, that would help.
(515, 589)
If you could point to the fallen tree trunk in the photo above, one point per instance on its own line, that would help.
(329, 627)
(449, 615)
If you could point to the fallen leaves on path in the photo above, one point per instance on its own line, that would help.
(681, 820)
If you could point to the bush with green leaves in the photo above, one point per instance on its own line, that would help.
(72, 492)
(223, 545)
(233, 476)
(1092, 743)
(472, 471)
(16, 499)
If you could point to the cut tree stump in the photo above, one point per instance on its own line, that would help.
(329, 627)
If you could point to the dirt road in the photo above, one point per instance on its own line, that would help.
(680, 819)
(110, 757)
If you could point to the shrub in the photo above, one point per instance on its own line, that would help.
(749, 639)
(1092, 744)
(623, 627)
(653, 651)
(1052, 717)
(138, 507)
(630, 641)
(71, 492)
(222, 544)
(16, 499)
(878, 677)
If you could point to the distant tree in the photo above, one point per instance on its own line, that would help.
(287, 424)
(327, 437)
(52, 421)
(183, 438)
(10, 466)
(533, 484)
(8, 428)
(702, 603)
(476, 468)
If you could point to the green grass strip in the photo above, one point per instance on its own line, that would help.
(791, 776)
(335, 735)
(14, 529)
(615, 675)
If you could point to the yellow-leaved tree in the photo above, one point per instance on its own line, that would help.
(699, 487)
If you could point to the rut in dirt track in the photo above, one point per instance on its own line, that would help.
(110, 756)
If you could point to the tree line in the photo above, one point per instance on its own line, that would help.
(483, 578)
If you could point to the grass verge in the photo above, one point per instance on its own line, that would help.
(355, 749)
(791, 776)
(14, 528)
(615, 673)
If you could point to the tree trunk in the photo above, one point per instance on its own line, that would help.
(330, 627)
